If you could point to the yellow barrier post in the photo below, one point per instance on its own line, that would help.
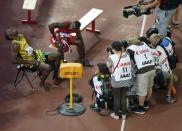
(71, 93)
(71, 70)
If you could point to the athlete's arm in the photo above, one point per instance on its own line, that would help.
(53, 26)
(154, 4)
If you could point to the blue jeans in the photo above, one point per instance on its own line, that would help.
(162, 20)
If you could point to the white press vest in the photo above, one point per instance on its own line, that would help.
(143, 55)
(97, 86)
(123, 69)
(163, 61)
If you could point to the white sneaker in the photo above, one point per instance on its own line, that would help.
(114, 116)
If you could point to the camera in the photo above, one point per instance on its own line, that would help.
(135, 10)
(109, 50)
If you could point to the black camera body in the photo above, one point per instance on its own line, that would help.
(109, 50)
(135, 10)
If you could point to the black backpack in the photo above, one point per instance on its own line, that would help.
(106, 86)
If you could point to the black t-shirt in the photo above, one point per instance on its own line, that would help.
(169, 4)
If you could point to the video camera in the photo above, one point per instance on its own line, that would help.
(135, 10)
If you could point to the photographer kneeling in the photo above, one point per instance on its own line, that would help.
(100, 83)
(119, 64)
(164, 65)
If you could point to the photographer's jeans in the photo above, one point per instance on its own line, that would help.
(162, 20)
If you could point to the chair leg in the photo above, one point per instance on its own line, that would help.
(29, 81)
(16, 78)
(36, 76)
(16, 82)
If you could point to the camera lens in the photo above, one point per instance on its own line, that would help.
(125, 14)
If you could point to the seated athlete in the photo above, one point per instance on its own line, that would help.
(23, 53)
(68, 33)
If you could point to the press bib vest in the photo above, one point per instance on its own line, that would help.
(143, 55)
(97, 86)
(123, 69)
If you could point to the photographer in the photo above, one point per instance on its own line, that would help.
(100, 83)
(164, 66)
(141, 54)
(121, 78)
(164, 13)
(168, 46)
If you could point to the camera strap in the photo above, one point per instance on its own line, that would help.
(117, 63)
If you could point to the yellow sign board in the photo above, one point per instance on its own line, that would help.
(71, 70)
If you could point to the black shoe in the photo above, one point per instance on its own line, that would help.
(140, 110)
(85, 62)
(95, 108)
(146, 105)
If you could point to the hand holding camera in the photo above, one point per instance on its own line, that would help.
(137, 10)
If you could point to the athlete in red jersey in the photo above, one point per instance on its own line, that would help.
(68, 33)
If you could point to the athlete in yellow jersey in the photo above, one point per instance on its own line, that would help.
(23, 53)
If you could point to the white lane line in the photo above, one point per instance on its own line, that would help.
(122, 125)
(143, 24)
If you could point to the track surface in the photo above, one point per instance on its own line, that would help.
(27, 112)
